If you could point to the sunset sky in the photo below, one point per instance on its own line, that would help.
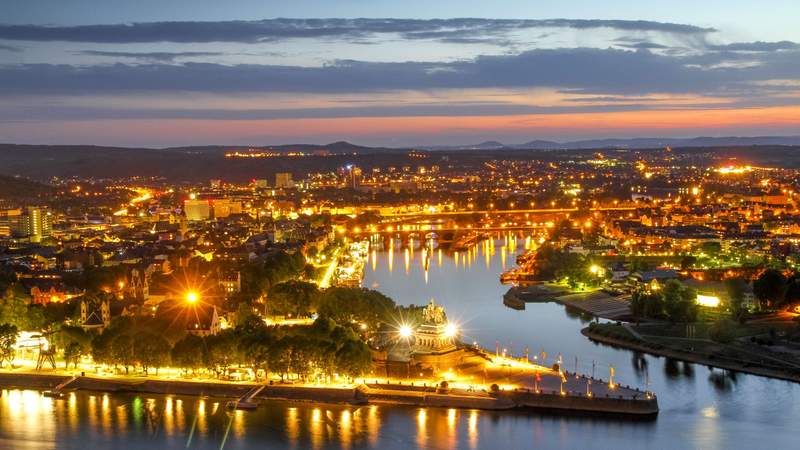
(374, 72)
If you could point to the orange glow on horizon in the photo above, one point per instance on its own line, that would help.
(685, 121)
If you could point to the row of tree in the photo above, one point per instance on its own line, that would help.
(674, 302)
(558, 264)
(322, 349)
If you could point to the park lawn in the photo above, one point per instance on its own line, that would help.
(612, 330)
(679, 330)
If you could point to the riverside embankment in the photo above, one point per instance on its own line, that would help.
(363, 394)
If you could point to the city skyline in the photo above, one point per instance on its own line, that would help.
(111, 74)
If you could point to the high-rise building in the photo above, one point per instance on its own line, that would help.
(283, 180)
(34, 223)
(8, 220)
(355, 177)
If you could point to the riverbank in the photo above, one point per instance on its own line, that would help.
(631, 342)
(408, 395)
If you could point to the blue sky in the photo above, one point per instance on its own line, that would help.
(151, 72)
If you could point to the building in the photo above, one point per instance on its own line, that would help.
(94, 316)
(31, 222)
(43, 292)
(203, 320)
(8, 220)
(197, 210)
(230, 282)
(283, 180)
(351, 176)
(224, 207)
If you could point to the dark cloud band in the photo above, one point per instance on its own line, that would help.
(280, 29)
(583, 69)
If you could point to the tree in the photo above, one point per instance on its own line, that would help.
(301, 356)
(122, 351)
(688, 261)
(792, 295)
(8, 338)
(711, 248)
(151, 350)
(297, 298)
(16, 309)
(353, 305)
(680, 302)
(639, 265)
(188, 352)
(353, 359)
(72, 353)
(736, 288)
(279, 357)
(255, 339)
(102, 346)
(647, 304)
(770, 288)
(222, 351)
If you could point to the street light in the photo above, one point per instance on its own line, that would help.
(192, 297)
(451, 330)
(405, 331)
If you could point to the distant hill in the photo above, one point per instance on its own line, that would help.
(333, 147)
(201, 163)
(195, 163)
(642, 143)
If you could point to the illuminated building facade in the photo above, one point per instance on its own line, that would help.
(31, 222)
(197, 210)
(283, 180)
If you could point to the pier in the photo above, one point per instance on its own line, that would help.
(57, 391)
(247, 401)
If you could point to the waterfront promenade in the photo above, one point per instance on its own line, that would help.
(553, 391)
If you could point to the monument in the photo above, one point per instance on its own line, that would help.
(435, 334)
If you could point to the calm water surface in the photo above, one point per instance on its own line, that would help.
(700, 408)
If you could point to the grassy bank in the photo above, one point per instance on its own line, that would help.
(739, 355)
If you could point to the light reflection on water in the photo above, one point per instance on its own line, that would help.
(699, 408)
(472, 295)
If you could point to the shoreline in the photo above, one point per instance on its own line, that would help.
(512, 400)
(690, 357)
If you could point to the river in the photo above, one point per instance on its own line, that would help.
(700, 408)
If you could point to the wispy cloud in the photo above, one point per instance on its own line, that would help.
(758, 46)
(150, 56)
(8, 48)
